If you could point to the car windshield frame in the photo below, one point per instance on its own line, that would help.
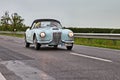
(44, 24)
(39, 23)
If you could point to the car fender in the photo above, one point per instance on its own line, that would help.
(65, 37)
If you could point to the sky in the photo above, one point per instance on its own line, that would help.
(71, 13)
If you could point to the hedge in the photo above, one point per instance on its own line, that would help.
(94, 30)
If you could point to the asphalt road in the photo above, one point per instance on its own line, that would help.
(82, 63)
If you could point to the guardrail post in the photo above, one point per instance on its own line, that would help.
(114, 41)
(89, 40)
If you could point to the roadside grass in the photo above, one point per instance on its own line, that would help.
(113, 44)
(13, 34)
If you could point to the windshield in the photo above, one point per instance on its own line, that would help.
(43, 24)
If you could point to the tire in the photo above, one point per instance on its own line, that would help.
(69, 47)
(36, 45)
(26, 43)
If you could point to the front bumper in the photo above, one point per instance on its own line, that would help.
(63, 42)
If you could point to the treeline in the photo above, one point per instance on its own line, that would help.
(10, 28)
(12, 22)
(94, 30)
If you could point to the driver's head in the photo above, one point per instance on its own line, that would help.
(38, 24)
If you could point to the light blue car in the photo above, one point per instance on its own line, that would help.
(48, 32)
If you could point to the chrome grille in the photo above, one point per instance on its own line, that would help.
(56, 37)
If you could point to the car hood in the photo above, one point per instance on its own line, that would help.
(52, 29)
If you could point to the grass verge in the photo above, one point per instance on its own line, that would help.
(13, 34)
(113, 44)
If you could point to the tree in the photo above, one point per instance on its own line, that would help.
(11, 22)
(5, 20)
(16, 21)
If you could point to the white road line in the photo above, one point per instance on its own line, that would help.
(2, 77)
(81, 55)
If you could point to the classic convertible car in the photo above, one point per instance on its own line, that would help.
(48, 32)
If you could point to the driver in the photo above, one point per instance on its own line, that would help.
(38, 25)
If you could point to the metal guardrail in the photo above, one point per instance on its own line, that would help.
(98, 35)
(85, 35)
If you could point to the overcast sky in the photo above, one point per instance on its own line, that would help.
(71, 13)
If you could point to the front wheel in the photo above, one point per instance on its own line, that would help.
(69, 47)
(26, 43)
(36, 45)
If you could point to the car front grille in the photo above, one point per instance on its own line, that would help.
(56, 37)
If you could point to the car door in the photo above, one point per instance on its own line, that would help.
(30, 33)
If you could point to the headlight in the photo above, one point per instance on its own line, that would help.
(42, 34)
(70, 34)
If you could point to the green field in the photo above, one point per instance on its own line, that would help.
(13, 34)
(113, 44)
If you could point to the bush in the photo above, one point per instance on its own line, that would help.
(10, 28)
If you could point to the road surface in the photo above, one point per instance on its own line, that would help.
(82, 63)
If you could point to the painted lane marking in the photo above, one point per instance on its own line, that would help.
(26, 72)
(81, 55)
(2, 77)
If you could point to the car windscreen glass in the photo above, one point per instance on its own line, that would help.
(50, 24)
